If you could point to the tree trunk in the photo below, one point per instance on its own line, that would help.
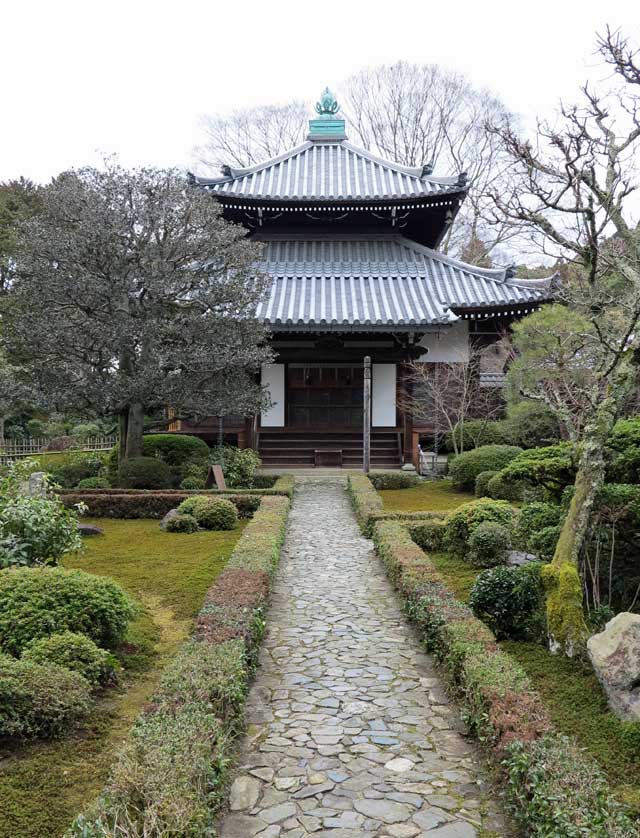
(135, 421)
(2, 421)
(565, 616)
(123, 424)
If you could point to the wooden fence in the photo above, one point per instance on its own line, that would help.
(13, 449)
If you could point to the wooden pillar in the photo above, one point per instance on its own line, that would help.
(366, 430)
(408, 454)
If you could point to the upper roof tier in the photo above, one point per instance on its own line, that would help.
(331, 170)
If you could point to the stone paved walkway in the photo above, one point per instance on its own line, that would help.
(349, 730)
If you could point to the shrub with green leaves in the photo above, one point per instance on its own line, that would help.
(499, 488)
(73, 651)
(466, 467)
(559, 792)
(192, 483)
(36, 530)
(474, 433)
(394, 479)
(533, 518)
(508, 599)
(461, 523)
(543, 542)
(38, 602)
(624, 442)
(211, 512)
(482, 481)
(181, 523)
(553, 468)
(238, 464)
(530, 425)
(144, 473)
(40, 700)
(488, 544)
(94, 483)
(428, 534)
(178, 451)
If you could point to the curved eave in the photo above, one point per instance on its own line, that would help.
(342, 204)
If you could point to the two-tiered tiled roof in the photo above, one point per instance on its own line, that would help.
(375, 283)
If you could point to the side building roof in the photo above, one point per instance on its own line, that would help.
(381, 284)
(330, 170)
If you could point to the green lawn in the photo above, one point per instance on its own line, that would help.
(429, 496)
(44, 784)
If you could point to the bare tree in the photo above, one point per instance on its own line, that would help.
(572, 194)
(422, 113)
(444, 395)
(251, 135)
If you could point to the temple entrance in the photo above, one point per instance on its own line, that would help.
(323, 396)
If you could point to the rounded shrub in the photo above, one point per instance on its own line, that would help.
(488, 544)
(533, 518)
(40, 700)
(38, 602)
(466, 467)
(73, 468)
(178, 451)
(481, 483)
(530, 425)
(461, 523)
(188, 505)
(508, 599)
(213, 513)
(144, 473)
(500, 488)
(238, 464)
(181, 523)
(73, 651)
(94, 483)
(394, 479)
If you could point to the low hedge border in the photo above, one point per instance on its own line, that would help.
(553, 788)
(149, 504)
(171, 776)
(369, 508)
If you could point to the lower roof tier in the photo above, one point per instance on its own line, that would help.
(382, 283)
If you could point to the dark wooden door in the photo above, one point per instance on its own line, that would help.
(324, 396)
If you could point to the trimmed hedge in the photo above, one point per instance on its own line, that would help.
(144, 473)
(366, 501)
(75, 652)
(394, 479)
(462, 522)
(148, 504)
(171, 776)
(555, 789)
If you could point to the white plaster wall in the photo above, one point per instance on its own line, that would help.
(448, 344)
(273, 380)
(383, 395)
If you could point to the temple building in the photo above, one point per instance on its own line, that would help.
(351, 246)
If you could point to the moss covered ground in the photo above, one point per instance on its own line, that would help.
(578, 707)
(43, 785)
(429, 496)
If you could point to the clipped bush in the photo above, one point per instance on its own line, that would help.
(428, 535)
(40, 700)
(73, 651)
(533, 518)
(366, 501)
(488, 544)
(394, 479)
(137, 503)
(94, 483)
(192, 483)
(181, 523)
(38, 602)
(178, 451)
(68, 470)
(461, 523)
(85, 430)
(474, 433)
(508, 599)
(553, 468)
(499, 488)
(238, 464)
(482, 481)
(466, 467)
(215, 513)
(144, 473)
(530, 425)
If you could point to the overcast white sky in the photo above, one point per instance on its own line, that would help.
(80, 79)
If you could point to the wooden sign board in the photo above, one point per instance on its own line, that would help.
(215, 477)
